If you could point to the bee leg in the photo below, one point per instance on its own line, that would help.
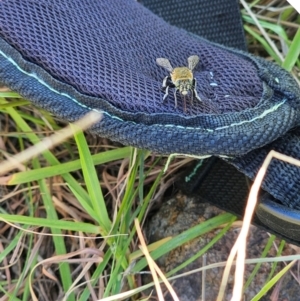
(184, 101)
(166, 93)
(197, 96)
(164, 84)
(192, 98)
(195, 91)
(175, 98)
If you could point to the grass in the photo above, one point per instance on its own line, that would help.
(68, 216)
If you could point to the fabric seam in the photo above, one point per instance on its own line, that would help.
(265, 113)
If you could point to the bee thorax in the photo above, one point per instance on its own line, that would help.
(181, 73)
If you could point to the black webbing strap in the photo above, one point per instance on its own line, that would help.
(215, 181)
(221, 184)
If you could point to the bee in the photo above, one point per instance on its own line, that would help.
(180, 78)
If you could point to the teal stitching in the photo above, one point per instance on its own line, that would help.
(274, 108)
(266, 112)
(201, 157)
(193, 173)
(53, 90)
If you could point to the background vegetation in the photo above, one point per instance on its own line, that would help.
(69, 216)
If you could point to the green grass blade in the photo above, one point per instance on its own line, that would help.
(122, 225)
(293, 54)
(92, 182)
(8, 295)
(27, 268)
(272, 282)
(11, 246)
(184, 237)
(204, 249)
(129, 194)
(86, 205)
(50, 223)
(59, 243)
(21, 102)
(274, 264)
(10, 94)
(263, 42)
(141, 176)
(258, 265)
(95, 277)
(63, 168)
(278, 29)
(47, 154)
(149, 196)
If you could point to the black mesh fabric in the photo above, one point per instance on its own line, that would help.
(217, 21)
(71, 57)
(105, 55)
(100, 55)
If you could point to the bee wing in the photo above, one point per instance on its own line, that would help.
(193, 60)
(165, 63)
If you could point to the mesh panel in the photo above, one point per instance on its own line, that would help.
(215, 20)
(80, 43)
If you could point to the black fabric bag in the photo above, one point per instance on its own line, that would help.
(71, 57)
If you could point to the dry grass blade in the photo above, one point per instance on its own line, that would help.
(239, 247)
(65, 258)
(153, 267)
(49, 142)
